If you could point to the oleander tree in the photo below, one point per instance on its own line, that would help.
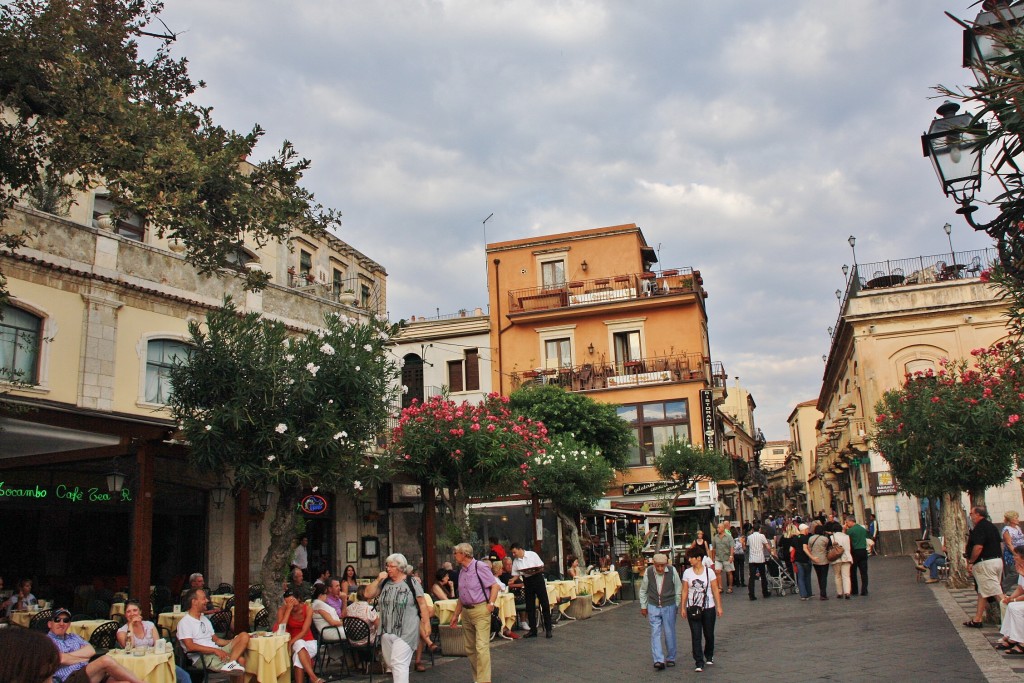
(953, 431)
(91, 95)
(466, 450)
(586, 434)
(267, 408)
(573, 476)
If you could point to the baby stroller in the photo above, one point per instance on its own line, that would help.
(780, 581)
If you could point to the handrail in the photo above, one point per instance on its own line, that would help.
(613, 288)
(683, 367)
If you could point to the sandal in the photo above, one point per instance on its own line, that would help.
(422, 669)
(1003, 645)
(1016, 651)
(973, 624)
(729, 591)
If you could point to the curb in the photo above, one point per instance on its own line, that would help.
(996, 667)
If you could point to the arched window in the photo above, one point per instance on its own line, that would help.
(20, 337)
(161, 356)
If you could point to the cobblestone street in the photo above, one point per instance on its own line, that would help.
(904, 630)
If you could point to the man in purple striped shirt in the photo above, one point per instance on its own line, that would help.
(478, 593)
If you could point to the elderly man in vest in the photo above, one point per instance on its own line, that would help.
(660, 599)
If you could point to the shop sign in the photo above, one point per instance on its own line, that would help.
(646, 487)
(707, 418)
(882, 484)
(314, 504)
(72, 494)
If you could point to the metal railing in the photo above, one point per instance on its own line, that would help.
(641, 372)
(602, 290)
(954, 265)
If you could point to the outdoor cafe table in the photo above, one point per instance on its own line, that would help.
(444, 609)
(22, 617)
(563, 589)
(169, 620)
(86, 627)
(152, 668)
(220, 600)
(268, 659)
(612, 583)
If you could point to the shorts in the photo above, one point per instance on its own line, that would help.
(724, 566)
(79, 676)
(988, 574)
(213, 662)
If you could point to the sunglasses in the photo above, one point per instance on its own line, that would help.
(62, 620)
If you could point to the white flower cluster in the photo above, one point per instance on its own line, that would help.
(327, 349)
(341, 435)
(281, 428)
(368, 347)
(357, 485)
(289, 357)
(313, 369)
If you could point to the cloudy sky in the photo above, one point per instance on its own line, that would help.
(746, 139)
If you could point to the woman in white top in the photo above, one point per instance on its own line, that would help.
(841, 566)
(144, 634)
(325, 617)
(1013, 621)
(701, 589)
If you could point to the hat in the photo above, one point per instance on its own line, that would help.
(59, 611)
(804, 527)
(660, 558)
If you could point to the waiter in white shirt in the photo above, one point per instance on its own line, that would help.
(528, 565)
(301, 557)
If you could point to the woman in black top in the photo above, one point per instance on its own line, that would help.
(802, 562)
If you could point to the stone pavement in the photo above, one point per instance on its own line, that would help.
(904, 630)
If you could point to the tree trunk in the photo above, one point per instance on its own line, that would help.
(460, 515)
(569, 525)
(278, 556)
(954, 532)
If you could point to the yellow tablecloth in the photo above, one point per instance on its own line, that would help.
(22, 618)
(169, 620)
(563, 589)
(220, 600)
(268, 659)
(612, 583)
(444, 609)
(150, 668)
(85, 628)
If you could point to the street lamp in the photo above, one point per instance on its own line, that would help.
(952, 144)
(839, 294)
(115, 481)
(853, 245)
(846, 270)
(981, 44)
(952, 254)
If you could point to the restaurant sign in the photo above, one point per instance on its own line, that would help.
(73, 494)
(707, 418)
(646, 487)
(314, 505)
(882, 484)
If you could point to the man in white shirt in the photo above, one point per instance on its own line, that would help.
(195, 633)
(301, 557)
(758, 550)
(530, 567)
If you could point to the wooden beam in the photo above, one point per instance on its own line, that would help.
(141, 567)
(241, 573)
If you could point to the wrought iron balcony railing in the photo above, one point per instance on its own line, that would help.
(645, 371)
(604, 290)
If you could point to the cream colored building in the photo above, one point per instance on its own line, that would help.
(803, 425)
(893, 323)
(99, 310)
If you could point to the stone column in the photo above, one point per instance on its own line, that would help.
(99, 337)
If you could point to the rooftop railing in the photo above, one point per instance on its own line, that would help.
(955, 265)
(602, 290)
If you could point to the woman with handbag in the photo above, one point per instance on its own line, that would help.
(817, 549)
(843, 560)
(701, 606)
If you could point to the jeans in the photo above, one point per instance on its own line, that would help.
(737, 560)
(755, 569)
(803, 579)
(860, 564)
(705, 626)
(933, 563)
(663, 621)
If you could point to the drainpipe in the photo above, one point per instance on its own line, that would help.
(497, 305)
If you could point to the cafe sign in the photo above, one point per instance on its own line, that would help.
(314, 504)
(646, 488)
(72, 494)
(707, 418)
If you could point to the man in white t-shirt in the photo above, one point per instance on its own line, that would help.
(758, 550)
(195, 633)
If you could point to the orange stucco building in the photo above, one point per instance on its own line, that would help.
(590, 310)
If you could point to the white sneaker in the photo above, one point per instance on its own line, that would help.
(232, 666)
(698, 669)
(709, 662)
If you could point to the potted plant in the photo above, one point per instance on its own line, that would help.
(347, 297)
(635, 545)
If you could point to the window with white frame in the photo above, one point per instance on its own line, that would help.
(553, 273)
(161, 356)
(558, 353)
(20, 339)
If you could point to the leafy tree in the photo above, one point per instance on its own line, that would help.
(273, 409)
(83, 107)
(573, 476)
(467, 450)
(953, 431)
(683, 464)
(591, 423)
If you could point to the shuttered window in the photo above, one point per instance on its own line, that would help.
(472, 370)
(455, 376)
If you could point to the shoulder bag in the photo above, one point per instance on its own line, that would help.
(833, 551)
(696, 612)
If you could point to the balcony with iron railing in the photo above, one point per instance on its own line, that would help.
(686, 367)
(955, 265)
(605, 290)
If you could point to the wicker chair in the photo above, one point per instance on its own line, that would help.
(262, 620)
(223, 589)
(97, 609)
(222, 623)
(359, 630)
(323, 654)
(255, 591)
(229, 603)
(104, 637)
(39, 620)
